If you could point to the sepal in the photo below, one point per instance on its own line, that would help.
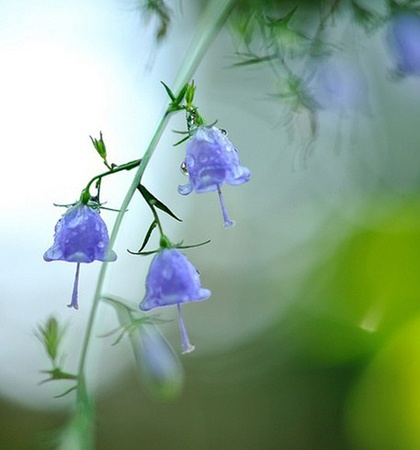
(176, 100)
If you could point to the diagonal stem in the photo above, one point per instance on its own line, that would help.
(211, 23)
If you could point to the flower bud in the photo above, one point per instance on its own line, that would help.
(339, 86)
(160, 367)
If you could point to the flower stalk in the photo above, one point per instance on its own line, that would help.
(211, 23)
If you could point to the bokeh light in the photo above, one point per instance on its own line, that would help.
(310, 339)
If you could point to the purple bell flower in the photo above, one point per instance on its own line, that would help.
(404, 39)
(80, 236)
(173, 280)
(212, 160)
(338, 85)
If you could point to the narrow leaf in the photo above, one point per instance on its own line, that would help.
(253, 59)
(369, 20)
(181, 95)
(193, 245)
(148, 234)
(182, 140)
(66, 392)
(151, 252)
(154, 202)
(169, 92)
(190, 92)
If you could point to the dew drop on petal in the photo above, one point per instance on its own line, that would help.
(183, 168)
(167, 273)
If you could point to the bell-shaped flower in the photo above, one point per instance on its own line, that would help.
(159, 365)
(211, 161)
(338, 85)
(404, 40)
(80, 236)
(173, 280)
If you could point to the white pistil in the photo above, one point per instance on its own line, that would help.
(187, 347)
(228, 223)
(74, 295)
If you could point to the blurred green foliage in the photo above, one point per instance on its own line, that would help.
(339, 370)
(338, 367)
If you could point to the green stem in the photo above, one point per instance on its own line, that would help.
(211, 23)
(104, 268)
(157, 220)
(127, 166)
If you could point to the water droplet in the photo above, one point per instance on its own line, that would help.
(167, 273)
(183, 168)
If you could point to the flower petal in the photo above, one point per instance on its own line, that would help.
(172, 280)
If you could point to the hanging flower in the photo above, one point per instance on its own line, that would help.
(404, 39)
(159, 365)
(80, 236)
(339, 85)
(173, 280)
(212, 161)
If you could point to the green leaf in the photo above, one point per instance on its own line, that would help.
(169, 92)
(147, 237)
(181, 94)
(250, 59)
(58, 374)
(367, 19)
(63, 394)
(118, 302)
(162, 13)
(190, 92)
(192, 245)
(182, 140)
(154, 202)
(151, 252)
(50, 335)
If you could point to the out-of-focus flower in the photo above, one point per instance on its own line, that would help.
(159, 365)
(173, 280)
(338, 85)
(404, 40)
(80, 236)
(210, 162)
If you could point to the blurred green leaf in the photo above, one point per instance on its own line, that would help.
(50, 335)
